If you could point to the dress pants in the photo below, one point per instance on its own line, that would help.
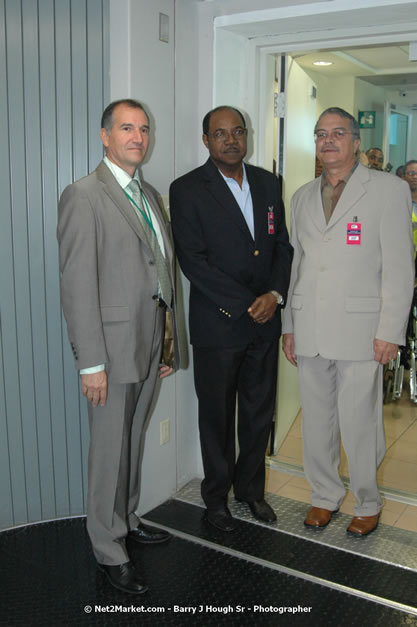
(342, 399)
(117, 433)
(221, 375)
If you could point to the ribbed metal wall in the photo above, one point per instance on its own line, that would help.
(54, 63)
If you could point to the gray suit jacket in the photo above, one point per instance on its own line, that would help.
(108, 276)
(343, 296)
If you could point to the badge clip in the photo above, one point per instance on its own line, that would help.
(271, 225)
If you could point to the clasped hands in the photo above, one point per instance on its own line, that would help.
(263, 308)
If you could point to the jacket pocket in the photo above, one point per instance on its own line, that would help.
(368, 304)
(296, 301)
(115, 314)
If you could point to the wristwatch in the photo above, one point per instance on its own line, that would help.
(280, 299)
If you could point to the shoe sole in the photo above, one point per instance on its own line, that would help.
(208, 522)
(361, 535)
(254, 515)
(119, 587)
(318, 527)
(264, 520)
(134, 539)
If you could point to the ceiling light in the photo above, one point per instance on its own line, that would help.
(323, 63)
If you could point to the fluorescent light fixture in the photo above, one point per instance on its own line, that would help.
(322, 63)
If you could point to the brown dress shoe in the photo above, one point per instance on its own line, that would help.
(362, 525)
(318, 517)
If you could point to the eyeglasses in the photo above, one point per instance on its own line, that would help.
(338, 133)
(221, 133)
(411, 173)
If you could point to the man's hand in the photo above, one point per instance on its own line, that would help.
(288, 348)
(263, 308)
(94, 387)
(165, 371)
(384, 351)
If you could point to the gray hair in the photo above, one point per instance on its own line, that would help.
(107, 117)
(354, 126)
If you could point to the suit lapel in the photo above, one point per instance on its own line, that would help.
(354, 190)
(316, 208)
(260, 208)
(119, 199)
(218, 188)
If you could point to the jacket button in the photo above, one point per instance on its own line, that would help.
(256, 253)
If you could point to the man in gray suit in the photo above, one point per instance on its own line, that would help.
(348, 303)
(117, 278)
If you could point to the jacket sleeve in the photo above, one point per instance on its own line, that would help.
(77, 239)
(287, 321)
(396, 237)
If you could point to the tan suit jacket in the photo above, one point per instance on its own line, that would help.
(343, 296)
(108, 276)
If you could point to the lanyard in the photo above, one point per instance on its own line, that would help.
(146, 214)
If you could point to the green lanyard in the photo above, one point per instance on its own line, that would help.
(146, 215)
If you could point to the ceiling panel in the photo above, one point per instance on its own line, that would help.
(384, 65)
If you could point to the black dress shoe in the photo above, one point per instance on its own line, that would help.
(124, 577)
(220, 518)
(261, 510)
(148, 535)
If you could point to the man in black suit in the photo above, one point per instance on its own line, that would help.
(232, 244)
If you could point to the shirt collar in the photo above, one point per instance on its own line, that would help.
(230, 178)
(121, 176)
(345, 179)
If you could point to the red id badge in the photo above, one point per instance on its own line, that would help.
(271, 226)
(353, 234)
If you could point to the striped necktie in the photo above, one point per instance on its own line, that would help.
(164, 280)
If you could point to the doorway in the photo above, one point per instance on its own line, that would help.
(308, 93)
(257, 55)
(398, 139)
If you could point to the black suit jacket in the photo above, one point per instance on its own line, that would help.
(227, 268)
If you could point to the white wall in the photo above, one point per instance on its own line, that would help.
(143, 67)
(230, 84)
(270, 130)
(299, 169)
(337, 91)
(187, 145)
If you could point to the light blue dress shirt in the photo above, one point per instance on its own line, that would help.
(243, 198)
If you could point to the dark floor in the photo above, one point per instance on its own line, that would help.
(253, 576)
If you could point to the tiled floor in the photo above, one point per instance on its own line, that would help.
(394, 513)
(398, 471)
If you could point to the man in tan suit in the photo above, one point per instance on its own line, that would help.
(117, 278)
(348, 303)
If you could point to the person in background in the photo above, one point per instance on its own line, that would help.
(375, 158)
(400, 171)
